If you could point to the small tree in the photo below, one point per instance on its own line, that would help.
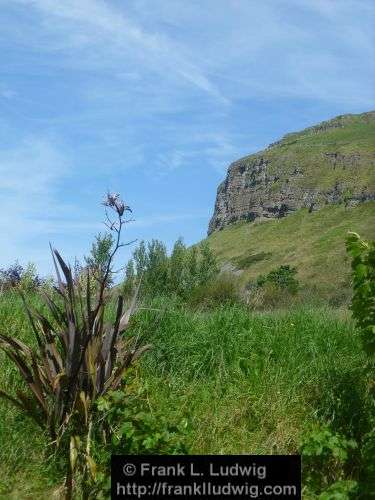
(156, 272)
(99, 256)
(179, 274)
(208, 267)
(177, 268)
(130, 279)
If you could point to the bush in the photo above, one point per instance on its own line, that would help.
(222, 290)
(363, 302)
(135, 429)
(269, 296)
(18, 276)
(283, 277)
(363, 309)
(324, 456)
(129, 427)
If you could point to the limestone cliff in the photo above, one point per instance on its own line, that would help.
(333, 162)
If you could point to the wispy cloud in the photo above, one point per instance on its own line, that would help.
(29, 176)
(226, 50)
(94, 23)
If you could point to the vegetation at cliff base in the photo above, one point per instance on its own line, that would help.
(312, 242)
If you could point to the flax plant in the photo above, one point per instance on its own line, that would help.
(78, 356)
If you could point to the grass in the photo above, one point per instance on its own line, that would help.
(313, 242)
(246, 382)
(307, 149)
(25, 472)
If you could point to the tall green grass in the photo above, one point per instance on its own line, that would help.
(245, 382)
(251, 382)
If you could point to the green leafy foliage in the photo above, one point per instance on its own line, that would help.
(243, 262)
(178, 274)
(208, 267)
(131, 427)
(340, 490)
(363, 301)
(99, 256)
(283, 277)
(367, 469)
(16, 276)
(178, 269)
(324, 455)
(222, 290)
(136, 429)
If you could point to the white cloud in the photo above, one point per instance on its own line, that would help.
(30, 168)
(93, 23)
(29, 175)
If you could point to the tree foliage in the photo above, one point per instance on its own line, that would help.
(363, 301)
(178, 274)
(100, 254)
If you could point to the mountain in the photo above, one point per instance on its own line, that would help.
(294, 202)
(330, 163)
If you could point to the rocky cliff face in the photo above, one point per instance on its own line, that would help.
(333, 162)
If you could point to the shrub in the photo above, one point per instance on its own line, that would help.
(324, 455)
(136, 430)
(249, 260)
(17, 276)
(269, 295)
(363, 301)
(11, 276)
(283, 277)
(222, 290)
(363, 309)
(130, 427)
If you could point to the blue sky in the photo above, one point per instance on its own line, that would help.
(153, 99)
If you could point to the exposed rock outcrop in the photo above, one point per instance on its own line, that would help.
(333, 162)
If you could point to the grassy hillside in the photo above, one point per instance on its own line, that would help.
(326, 153)
(330, 163)
(313, 242)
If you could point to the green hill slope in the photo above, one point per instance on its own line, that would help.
(294, 202)
(332, 162)
(313, 242)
